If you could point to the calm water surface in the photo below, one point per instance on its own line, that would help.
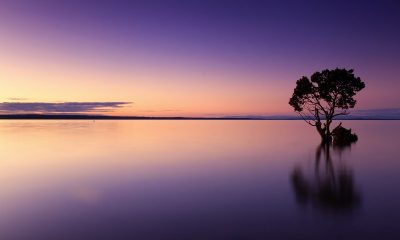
(196, 180)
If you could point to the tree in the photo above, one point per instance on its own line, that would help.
(324, 96)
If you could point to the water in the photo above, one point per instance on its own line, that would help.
(196, 180)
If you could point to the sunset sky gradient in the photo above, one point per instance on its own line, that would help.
(194, 58)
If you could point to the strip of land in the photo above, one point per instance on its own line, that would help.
(108, 117)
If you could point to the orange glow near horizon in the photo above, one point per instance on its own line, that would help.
(169, 92)
(161, 74)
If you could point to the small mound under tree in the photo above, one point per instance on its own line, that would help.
(324, 96)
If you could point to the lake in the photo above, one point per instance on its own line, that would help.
(155, 179)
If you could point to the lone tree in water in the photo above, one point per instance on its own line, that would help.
(324, 96)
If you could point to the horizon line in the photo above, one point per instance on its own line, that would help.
(36, 116)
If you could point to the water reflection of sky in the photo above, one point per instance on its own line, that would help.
(187, 180)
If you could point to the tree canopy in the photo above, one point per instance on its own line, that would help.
(327, 94)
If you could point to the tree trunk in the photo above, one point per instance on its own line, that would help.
(326, 139)
(324, 132)
(321, 131)
(328, 134)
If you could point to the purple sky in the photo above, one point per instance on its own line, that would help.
(195, 57)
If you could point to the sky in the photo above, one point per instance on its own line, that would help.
(190, 58)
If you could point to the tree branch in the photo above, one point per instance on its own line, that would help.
(309, 121)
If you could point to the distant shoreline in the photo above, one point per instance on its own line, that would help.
(104, 117)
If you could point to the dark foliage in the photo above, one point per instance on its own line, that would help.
(343, 136)
(325, 95)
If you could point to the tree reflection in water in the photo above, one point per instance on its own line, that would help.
(331, 184)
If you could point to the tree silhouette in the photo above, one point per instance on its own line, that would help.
(324, 96)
